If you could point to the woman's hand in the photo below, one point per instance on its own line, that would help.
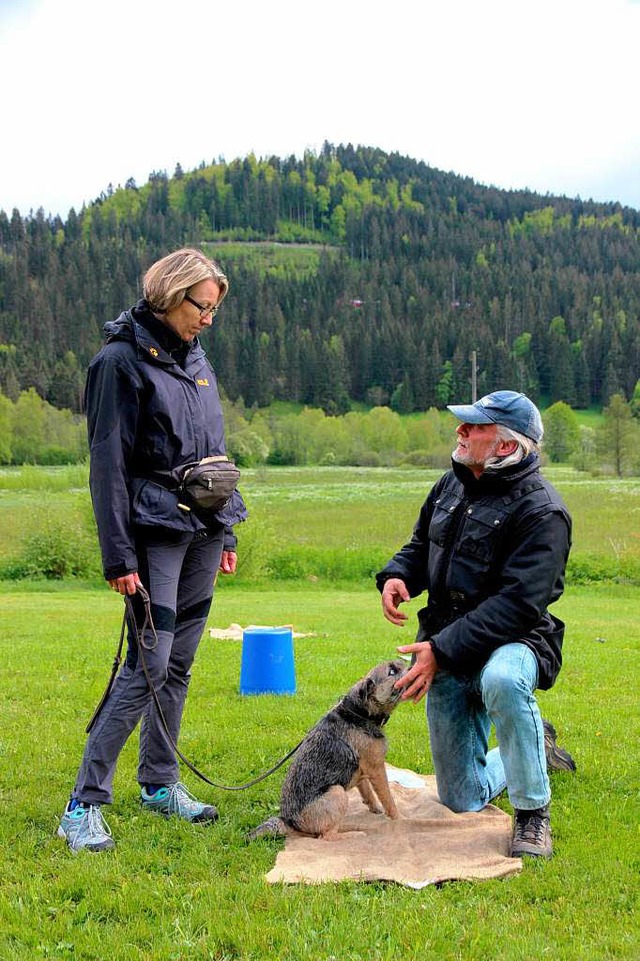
(228, 562)
(128, 584)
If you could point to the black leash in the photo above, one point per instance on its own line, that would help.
(145, 645)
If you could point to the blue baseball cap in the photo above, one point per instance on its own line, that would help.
(505, 407)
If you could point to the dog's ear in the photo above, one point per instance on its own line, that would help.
(363, 689)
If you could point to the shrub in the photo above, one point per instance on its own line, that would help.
(300, 562)
(585, 568)
(56, 549)
(257, 549)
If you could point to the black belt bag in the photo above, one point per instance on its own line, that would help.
(206, 484)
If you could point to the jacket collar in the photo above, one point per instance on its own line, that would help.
(496, 482)
(154, 340)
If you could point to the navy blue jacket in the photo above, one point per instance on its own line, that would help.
(152, 403)
(492, 554)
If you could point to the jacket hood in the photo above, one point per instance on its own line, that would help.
(119, 329)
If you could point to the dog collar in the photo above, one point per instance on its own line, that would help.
(361, 718)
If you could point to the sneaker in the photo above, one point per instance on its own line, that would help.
(557, 759)
(532, 833)
(175, 799)
(85, 828)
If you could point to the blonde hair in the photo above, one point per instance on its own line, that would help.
(168, 280)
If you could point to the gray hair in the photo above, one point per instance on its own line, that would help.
(168, 280)
(525, 447)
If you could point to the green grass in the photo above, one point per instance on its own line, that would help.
(172, 891)
(271, 258)
(353, 519)
(590, 417)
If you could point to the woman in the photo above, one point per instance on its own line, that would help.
(153, 405)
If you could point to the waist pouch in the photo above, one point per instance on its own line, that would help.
(206, 484)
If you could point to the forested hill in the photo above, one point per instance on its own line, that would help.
(355, 275)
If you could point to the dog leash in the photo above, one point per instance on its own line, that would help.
(107, 691)
(143, 646)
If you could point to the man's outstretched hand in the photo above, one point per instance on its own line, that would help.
(394, 593)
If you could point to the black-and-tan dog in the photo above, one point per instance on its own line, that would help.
(345, 749)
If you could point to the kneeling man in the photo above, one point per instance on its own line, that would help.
(490, 546)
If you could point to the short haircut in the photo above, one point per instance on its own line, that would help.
(168, 280)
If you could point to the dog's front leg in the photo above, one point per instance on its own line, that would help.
(380, 784)
(369, 797)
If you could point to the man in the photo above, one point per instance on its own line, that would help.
(490, 546)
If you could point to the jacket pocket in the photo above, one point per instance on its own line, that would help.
(155, 506)
(443, 518)
(480, 533)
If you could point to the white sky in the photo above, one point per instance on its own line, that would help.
(514, 93)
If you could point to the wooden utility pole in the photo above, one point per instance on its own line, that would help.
(474, 376)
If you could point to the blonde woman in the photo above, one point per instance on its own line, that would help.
(152, 406)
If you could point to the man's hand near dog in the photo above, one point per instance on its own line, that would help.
(417, 681)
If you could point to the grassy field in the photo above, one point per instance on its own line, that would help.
(172, 891)
(329, 522)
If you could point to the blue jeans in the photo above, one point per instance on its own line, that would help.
(460, 711)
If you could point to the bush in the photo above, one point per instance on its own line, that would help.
(439, 459)
(299, 562)
(366, 458)
(584, 568)
(257, 549)
(57, 549)
(56, 457)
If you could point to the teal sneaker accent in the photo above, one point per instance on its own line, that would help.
(84, 828)
(175, 799)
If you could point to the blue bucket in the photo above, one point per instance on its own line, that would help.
(267, 661)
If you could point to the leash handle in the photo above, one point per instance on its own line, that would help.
(142, 646)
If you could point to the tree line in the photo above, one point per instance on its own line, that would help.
(32, 431)
(410, 273)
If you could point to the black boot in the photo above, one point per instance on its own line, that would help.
(557, 759)
(532, 833)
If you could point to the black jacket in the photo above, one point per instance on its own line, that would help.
(152, 403)
(491, 553)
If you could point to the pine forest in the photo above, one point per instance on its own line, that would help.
(356, 276)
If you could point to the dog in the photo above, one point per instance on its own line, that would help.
(345, 749)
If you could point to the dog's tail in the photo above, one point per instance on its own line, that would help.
(272, 827)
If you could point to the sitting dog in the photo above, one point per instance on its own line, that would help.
(345, 749)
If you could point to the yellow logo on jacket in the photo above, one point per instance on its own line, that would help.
(202, 382)
(153, 352)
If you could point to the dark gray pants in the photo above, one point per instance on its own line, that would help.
(178, 572)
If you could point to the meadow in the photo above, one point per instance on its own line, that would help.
(173, 891)
(308, 523)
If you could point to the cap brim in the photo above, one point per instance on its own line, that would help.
(470, 414)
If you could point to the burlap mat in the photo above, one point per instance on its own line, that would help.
(426, 845)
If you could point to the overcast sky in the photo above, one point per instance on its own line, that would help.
(514, 93)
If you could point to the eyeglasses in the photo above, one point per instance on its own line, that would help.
(213, 310)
